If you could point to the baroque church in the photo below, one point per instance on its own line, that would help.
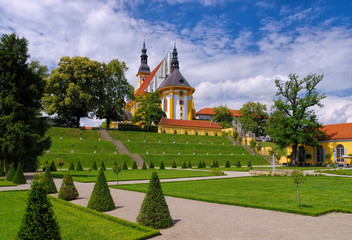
(175, 92)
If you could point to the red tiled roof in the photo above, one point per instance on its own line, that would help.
(189, 123)
(210, 111)
(338, 131)
(146, 82)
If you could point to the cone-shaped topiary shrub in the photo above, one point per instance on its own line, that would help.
(189, 164)
(162, 166)
(68, 190)
(2, 171)
(174, 165)
(186, 133)
(204, 166)
(19, 177)
(79, 166)
(154, 211)
(71, 167)
(144, 166)
(216, 164)
(184, 165)
(48, 182)
(38, 221)
(11, 172)
(151, 164)
(249, 164)
(196, 132)
(124, 167)
(46, 164)
(227, 165)
(134, 166)
(101, 199)
(94, 166)
(200, 164)
(115, 163)
(238, 164)
(103, 165)
(53, 167)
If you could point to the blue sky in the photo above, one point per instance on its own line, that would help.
(231, 52)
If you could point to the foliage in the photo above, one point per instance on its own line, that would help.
(174, 164)
(151, 165)
(22, 128)
(68, 190)
(124, 166)
(293, 120)
(154, 211)
(116, 169)
(297, 177)
(162, 166)
(100, 199)
(253, 144)
(217, 172)
(249, 164)
(48, 182)
(11, 172)
(79, 166)
(134, 166)
(144, 166)
(223, 116)
(184, 165)
(38, 221)
(235, 135)
(238, 164)
(71, 167)
(102, 166)
(253, 118)
(53, 167)
(189, 164)
(19, 176)
(149, 110)
(227, 165)
(94, 166)
(200, 164)
(2, 170)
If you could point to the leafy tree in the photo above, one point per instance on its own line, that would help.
(38, 221)
(19, 177)
(253, 118)
(297, 177)
(2, 170)
(113, 90)
(149, 110)
(154, 211)
(22, 128)
(293, 120)
(100, 199)
(48, 182)
(117, 169)
(223, 116)
(68, 190)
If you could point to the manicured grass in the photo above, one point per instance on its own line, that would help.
(73, 133)
(319, 194)
(132, 174)
(5, 183)
(81, 146)
(339, 171)
(76, 222)
(86, 159)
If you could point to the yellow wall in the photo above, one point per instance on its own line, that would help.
(190, 130)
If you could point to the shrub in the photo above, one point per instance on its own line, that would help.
(103, 165)
(186, 133)
(216, 134)
(189, 164)
(238, 164)
(216, 164)
(48, 182)
(184, 165)
(217, 172)
(206, 133)
(53, 167)
(200, 164)
(38, 221)
(204, 166)
(174, 165)
(71, 167)
(154, 211)
(68, 190)
(144, 166)
(19, 177)
(175, 132)
(94, 166)
(162, 166)
(124, 166)
(79, 166)
(2, 171)
(151, 164)
(134, 166)
(11, 172)
(249, 164)
(227, 165)
(100, 199)
(196, 132)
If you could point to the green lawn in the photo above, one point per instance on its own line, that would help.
(132, 174)
(76, 222)
(319, 194)
(73, 133)
(5, 183)
(339, 171)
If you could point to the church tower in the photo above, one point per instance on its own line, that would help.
(144, 69)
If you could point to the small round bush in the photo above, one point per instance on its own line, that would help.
(48, 182)
(79, 166)
(19, 176)
(68, 190)
(11, 172)
(71, 167)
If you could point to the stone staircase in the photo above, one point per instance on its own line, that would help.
(122, 148)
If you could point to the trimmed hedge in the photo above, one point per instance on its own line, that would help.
(71, 167)
(138, 128)
(174, 165)
(11, 172)
(68, 190)
(53, 167)
(151, 165)
(124, 167)
(48, 182)
(94, 166)
(79, 166)
(144, 166)
(134, 166)
(19, 176)
(102, 166)
(162, 166)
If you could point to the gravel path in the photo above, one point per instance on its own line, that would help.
(202, 220)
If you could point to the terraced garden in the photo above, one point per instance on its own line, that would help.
(158, 147)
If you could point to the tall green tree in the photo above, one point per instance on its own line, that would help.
(223, 116)
(293, 120)
(149, 110)
(70, 91)
(112, 92)
(253, 118)
(22, 128)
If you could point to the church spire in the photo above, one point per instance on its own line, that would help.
(174, 60)
(144, 60)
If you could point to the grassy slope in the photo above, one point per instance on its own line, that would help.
(318, 194)
(75, 222)
(83, 143)
(132, 174)
(205, 148)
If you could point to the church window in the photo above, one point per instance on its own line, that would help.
(181, 102)
(320, 154)
(165, 105)
(340, 151)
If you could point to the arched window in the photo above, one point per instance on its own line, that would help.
(301, 154)
(320, 154)
(340, 151)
